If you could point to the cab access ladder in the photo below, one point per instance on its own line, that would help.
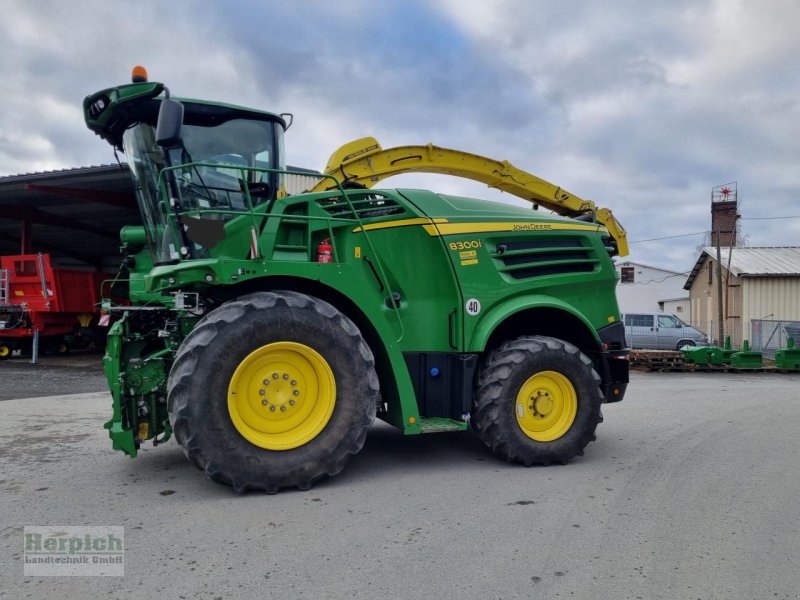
(4, 286)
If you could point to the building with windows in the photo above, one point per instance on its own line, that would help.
(644, 288)
(759, 286)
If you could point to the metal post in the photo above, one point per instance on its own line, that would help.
(26, 243)
(35, 352)
(721, 324)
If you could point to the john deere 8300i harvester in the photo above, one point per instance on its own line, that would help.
(266, 331)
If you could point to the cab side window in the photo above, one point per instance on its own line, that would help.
(639, 320)
(667, 321)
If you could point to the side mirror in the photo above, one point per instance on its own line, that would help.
(170, 120)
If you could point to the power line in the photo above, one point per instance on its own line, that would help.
(662, 280)
(768, 218)
(672, 237)
(669, 237)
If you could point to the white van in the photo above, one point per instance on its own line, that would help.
(660, 331)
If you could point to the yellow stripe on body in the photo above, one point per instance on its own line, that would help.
(400, 223)
(441, 229)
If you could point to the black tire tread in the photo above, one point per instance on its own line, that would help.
(184, 369)
(491, 400)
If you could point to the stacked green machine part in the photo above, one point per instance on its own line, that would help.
(746, 358)
(789, 357)
(715, 356)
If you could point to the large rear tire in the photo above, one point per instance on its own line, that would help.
(273, 390)
(537, 401)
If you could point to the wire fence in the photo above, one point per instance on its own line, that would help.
(767, 336)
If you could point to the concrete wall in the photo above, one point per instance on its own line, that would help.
(650, 286)
(680, 308)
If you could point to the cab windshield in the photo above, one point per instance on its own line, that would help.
(215, 173)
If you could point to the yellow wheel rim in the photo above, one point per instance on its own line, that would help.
(546, 406)
(4, 351)
(281, 395)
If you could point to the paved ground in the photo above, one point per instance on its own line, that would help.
(691, 491)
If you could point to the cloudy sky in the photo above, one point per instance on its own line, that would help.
(642, 107)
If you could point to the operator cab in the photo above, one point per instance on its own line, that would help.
(212, 161)
(216, 166)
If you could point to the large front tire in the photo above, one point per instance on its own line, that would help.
(537, 401)
(273, 390)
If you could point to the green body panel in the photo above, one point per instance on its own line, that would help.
(418, 271)
(482, 276)
(503, 309)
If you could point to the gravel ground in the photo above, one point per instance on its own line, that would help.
(72, 374)
(689, 492)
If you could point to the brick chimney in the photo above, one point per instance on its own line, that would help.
(724, 207)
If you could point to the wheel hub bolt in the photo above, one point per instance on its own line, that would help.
(283, 409)
(286, 376)
(272, 408)
(264, 402)
(262, 392)
(274, 375)
(294, 382)
(296, 392)
(266, 382)
(291, 402)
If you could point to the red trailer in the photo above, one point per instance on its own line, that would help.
(34, 296)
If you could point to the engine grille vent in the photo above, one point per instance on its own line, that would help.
(525, 259)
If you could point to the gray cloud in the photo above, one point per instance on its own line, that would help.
(641, 107)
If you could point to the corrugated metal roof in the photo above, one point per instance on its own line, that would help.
(58, 172)
(768, 261)
(75, 213)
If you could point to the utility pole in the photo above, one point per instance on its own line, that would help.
(723, 217)
(721, 326)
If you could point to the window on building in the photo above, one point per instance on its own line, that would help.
(678, 309)
(710, 272)
(626, 274)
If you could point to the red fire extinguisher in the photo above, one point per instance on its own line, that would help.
(325, 252)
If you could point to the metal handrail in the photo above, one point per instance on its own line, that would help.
(251, 210)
